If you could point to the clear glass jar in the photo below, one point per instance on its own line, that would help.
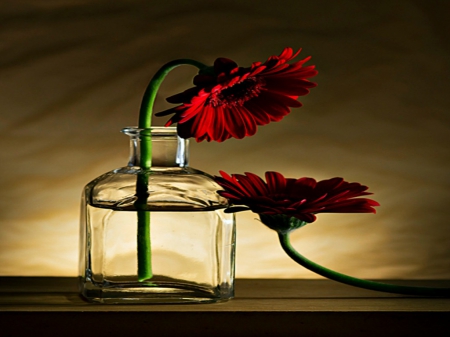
(191, 241)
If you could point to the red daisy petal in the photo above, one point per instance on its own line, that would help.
(235, 100)
(300, 198)
(223, 65)
(259, 184)
(275, 182)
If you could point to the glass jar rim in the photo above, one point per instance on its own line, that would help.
(134, 131)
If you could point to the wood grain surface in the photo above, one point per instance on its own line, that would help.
(262, 307)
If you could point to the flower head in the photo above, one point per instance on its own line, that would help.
(293, 198)
(231, 101)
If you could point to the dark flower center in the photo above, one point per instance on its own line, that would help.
(237, 94)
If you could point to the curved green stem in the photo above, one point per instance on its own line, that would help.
(353, 281)
(145, 121)
(145, 114)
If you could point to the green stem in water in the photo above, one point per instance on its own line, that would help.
(143, 230)
(353, 281)
(145, 121)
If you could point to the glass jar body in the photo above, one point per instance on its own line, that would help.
(190, 239)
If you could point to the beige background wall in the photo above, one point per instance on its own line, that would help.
(72, 74)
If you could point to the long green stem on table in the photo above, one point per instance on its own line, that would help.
(353, 281)
(145, 121)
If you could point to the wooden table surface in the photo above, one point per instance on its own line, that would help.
(50, 306)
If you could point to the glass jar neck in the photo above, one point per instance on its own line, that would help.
(168, 150)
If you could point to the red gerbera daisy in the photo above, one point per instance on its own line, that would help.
(230, 101)
(299, 198)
